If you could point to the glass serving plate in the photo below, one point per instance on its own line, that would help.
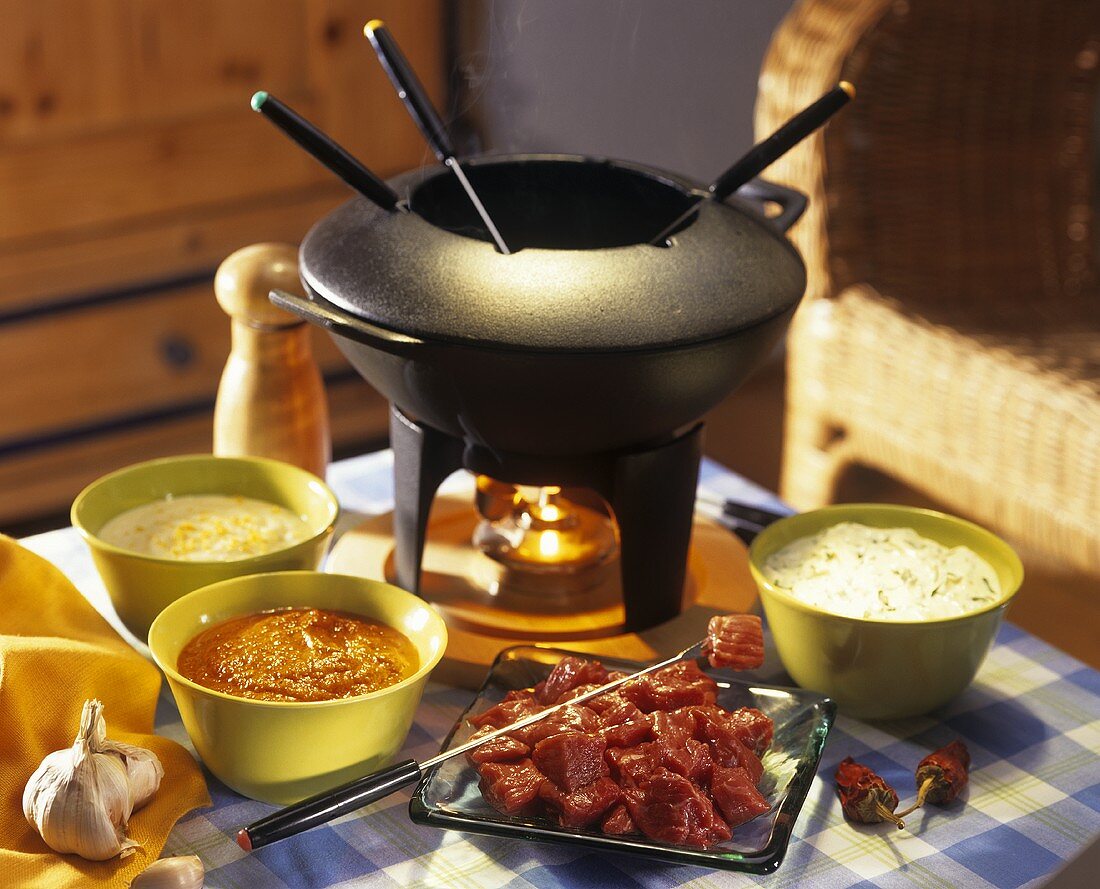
(448, 795)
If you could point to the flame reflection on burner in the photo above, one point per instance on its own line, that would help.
(540, 530)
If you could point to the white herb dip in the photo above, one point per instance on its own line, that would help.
(883, 574)
(205, 528)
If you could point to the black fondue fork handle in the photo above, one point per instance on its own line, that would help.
(764, 153)
(327, 805)
(747, 521)
(326, 150)
(410, 89)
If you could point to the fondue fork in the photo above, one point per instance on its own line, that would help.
(411, 91)
(331, 804)
(324, 149)
(743, 520)
(766, 152)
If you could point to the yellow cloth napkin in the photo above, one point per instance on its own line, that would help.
(56, 651)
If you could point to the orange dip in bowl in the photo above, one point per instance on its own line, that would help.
(298, 654)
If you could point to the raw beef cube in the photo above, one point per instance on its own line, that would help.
(639, 693)
(520, 694)
(627, 734)
(736, 796)
(677, 685)
(568, 673)
(616, 711)
(618, 822)
(692, 760)
(607, 701)
(568, 719)
(505, 713)
(577, 692)
(510, 787)
(738, 755)
(624, 725)
(754, 728)
(583, 805)
(688, 672)
(674, 757)
(735, 642)
(730, 741)
(571, 759)
(633, 765)
(619, 706)
(748, 726)
(500, 749)
(673, 726)
(668, 807)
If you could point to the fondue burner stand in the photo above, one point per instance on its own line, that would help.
(651, 492)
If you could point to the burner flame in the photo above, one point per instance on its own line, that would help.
(538, 529)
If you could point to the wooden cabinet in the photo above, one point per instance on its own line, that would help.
(130, 166)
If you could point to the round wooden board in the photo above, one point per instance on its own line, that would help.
(485, 612)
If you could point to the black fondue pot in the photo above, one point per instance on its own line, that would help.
(586, 338)
(586, 357)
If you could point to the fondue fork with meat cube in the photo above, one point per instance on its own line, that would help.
(737, 641)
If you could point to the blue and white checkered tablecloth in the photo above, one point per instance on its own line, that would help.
(1031, 720)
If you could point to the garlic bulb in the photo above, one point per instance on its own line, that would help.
(80, 799)
(180, 872)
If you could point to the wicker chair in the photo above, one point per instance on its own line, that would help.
(951, 332)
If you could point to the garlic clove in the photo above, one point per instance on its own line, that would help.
(142, 766)
(179, 872)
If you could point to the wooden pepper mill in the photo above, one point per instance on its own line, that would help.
(271, 399)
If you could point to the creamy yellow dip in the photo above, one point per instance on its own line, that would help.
(883, 574)
(205, 528)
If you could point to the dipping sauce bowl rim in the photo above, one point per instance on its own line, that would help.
(1011, 559)
(314, 483)
(172, 673)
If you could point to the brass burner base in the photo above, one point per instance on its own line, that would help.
(486, 610)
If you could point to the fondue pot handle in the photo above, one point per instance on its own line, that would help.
(792, 204)
(345, 325)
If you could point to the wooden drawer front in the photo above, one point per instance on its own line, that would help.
(57, 272)
(118, 361)
(100, 363)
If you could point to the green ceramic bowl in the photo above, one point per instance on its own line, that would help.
(279, 751)
(877, 669)
(140, 585)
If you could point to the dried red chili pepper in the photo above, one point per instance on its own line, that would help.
(864, 796)
(942, 775)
